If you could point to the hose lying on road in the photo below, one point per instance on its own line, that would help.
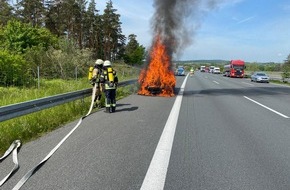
(14, 146)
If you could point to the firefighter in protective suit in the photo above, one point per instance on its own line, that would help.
(109, 82)
(191, 71)
(96, 79)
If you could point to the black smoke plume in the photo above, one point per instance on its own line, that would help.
(175, 21)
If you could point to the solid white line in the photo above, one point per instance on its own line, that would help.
(156, 173)
(285, 116)
(35, 168)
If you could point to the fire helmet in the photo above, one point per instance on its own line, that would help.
(107, 63)
(99, 62)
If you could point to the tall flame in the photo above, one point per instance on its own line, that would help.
(158, 74)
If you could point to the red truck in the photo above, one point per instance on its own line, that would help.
(235, 69)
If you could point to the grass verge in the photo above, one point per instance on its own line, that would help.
(35, 125)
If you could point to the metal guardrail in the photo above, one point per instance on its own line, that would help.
(24, 108)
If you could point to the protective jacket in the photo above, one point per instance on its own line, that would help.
(109, 78)
(109, 81)
(96, 80)
(97, 74)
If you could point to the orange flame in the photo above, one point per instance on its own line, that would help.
(158, 73)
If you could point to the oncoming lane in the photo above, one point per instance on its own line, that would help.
(225, 141)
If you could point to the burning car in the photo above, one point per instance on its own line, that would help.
(157, 78)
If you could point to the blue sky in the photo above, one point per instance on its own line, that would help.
(252, 30)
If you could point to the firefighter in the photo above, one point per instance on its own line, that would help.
(96, 79)
(109, 81)
(191, 71)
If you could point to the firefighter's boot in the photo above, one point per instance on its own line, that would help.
(107, 110)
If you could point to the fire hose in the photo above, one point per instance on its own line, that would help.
(16, 144)
(13, 147)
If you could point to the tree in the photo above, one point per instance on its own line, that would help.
(13, 69)
(65, 17)
(31, 11)
(113, 40)
(134, 53)
(5, 12)
(93, 30)
(17, 37)
(288, 59)
(79, 12)
(73, 29)
(252, 66)
(53, 20)
(286, 69)
(98, 37)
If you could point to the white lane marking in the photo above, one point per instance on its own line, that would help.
(248, 83)
(216, 82)
(156, 173)
(285, 116)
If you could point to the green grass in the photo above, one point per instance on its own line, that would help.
(280, 82)
(13, 95)
(32, 126)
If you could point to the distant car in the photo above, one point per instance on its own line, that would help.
(216, 70)
(260, 77)
(180, 71)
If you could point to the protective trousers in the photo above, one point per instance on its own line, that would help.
(98, 96)
(110, 100)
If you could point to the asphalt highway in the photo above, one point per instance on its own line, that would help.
(230, 134)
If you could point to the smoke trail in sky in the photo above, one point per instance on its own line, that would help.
(176, 21)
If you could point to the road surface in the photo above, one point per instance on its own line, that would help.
(229, 134)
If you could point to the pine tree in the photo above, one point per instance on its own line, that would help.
(31, 11)
(95, 31)
(52, 21)
(98, 37)
(134, 53)
(286, 69)
(113, 40)
(63, 19)
(79, 12)
(89, 22)
(5, 12)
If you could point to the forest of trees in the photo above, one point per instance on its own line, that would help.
(58, 37)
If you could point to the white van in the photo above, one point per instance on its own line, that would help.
(202, 68)
(216, 70)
